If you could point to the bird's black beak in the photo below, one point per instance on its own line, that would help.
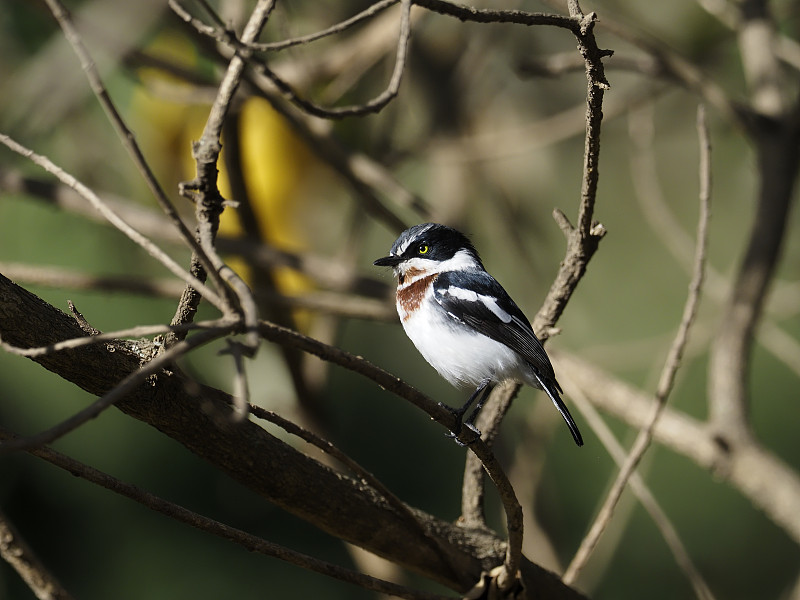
(388, 261)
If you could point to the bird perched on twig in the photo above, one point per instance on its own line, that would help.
(463, 322)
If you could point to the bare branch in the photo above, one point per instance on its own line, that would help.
(126, 135)
(124, 387)
(355, 468)
(368, 179)
(197, 416)
(248, 541)
(437, 413)
(204, 192)
(241, 391)
(115, 220)
(488, 422)
(486, 15)
(769, 483)
(17, 553)
(371, 106)
(642, 492)
(671, 365)
(582, 240)
(368, 12)
(98, 338)
(776, 133)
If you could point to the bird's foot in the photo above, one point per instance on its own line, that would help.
(459, 416)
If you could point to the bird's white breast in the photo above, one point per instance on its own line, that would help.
(460, 354)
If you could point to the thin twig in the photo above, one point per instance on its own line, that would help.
(366, 177)
(337, 304)
(642, 492)
(64, 20)
(248, 541)
(669, 371)
(373, 105)
(241, 391)
(354, 467)
(204, 192)
(488, 422)
(332, 30)
(487, 15)
(224, 36)
(666, 226)
(768, 482)
(132, 332)
(397, 386)
(582, 241)
(122, 388)
(17, 553)
(112, 217)
(655, 207)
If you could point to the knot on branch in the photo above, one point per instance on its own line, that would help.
(597, 230)
(586, 23)
(204, 195)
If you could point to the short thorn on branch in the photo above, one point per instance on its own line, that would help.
(597, 231)
(563, 222)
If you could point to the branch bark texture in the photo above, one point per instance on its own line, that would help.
(199, 417)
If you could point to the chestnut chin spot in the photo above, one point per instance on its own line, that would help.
(411, 296)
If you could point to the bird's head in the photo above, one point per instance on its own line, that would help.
(430, 248)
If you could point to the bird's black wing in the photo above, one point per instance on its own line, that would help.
(477, 300)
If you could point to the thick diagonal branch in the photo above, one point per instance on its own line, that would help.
(197, 417)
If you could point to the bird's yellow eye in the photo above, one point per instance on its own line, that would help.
(423, 248)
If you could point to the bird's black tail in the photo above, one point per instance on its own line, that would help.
(553, 390)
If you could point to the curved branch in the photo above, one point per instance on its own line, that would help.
(582, 241)
(125, 134)
(16, 552)
(112, 217)
(768, 482)
(775, 130)
(250, 542)
(127, 384)
(332, 30)
(374, 105)
(669, 370)
(203, 190)
(198, 417)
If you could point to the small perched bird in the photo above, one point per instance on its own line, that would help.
(463, 322)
